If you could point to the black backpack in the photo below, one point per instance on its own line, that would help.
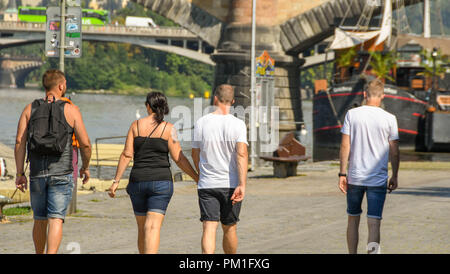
(47, 130)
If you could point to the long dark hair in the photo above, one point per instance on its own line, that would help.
(158, 103)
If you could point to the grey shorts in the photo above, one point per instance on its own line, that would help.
(216, 205)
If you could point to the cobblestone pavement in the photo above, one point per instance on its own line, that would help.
(302, 214)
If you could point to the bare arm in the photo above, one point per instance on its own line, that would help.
(178, 157)
(82, 137)
(344, 155)
(84, 142)
(394, 155)
(20, 148)
(127, 154)
(124, 159)
(196, 158)
(242, 162)
(242, 166)
(21, 139)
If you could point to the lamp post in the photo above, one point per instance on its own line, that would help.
(434, 55)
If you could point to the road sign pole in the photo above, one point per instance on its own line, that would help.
(62, 37)
(252, 93)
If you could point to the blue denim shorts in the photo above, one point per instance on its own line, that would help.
(50, 196)
(153, 196)
(375, 200)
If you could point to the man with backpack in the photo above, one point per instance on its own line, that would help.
(45, 130)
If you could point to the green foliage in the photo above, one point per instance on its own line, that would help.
(382, 63)
(125, 69)
(309, 76)
(346, 59)
(428, 63)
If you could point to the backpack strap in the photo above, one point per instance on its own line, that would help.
(34, 106)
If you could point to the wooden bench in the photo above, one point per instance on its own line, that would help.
(285, 159)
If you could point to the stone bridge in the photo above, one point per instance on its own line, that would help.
(170, 39)
(14, 70)
(284, 28)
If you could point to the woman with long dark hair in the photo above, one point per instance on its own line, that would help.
(149, 142)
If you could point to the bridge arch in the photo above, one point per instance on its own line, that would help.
(174, 40)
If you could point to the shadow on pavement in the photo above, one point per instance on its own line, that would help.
(425, 191)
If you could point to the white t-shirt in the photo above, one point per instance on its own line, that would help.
(370, 129)
(216, 136)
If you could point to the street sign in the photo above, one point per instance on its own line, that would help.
(73, 34)
(74, 3)
(52, 32)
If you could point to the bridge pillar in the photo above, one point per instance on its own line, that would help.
(233, 61)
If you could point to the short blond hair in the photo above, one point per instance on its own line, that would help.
(225, 94)
(52, 78)
(375, 88)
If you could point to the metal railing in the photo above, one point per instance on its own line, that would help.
(169, 32)
(96, 151)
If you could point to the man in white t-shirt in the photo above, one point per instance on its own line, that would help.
(219, 152)
(369, 138)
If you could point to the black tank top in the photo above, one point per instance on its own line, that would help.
(151, 158)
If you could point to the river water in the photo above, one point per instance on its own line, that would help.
(111, 115)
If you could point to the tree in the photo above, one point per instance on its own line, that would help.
(382, 64)
(345, 60)
(433, 66)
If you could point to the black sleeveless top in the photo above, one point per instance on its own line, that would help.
(151, 159)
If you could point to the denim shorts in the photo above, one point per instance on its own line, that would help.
(375, 200)
(50, 196)
(153, 196)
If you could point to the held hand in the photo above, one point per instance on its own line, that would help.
(343, 184)
(238, 194)
(196, 179)
(85, 175)
(112, 190)
(21, 183)
(393, 184)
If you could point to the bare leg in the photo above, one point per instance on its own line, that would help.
(55, 227)
(230, 240)
(209, 237)
(140, 220)
(374, 235)
(152, 229)
(353, 234)
(40, 235)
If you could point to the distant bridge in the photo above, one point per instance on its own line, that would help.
(14, 70)
(169, 39)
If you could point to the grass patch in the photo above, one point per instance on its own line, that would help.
(14, 211)
(95, 201)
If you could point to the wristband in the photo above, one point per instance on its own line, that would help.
(20, 174)
(342, 175)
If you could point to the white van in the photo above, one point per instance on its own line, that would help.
(132, 21)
